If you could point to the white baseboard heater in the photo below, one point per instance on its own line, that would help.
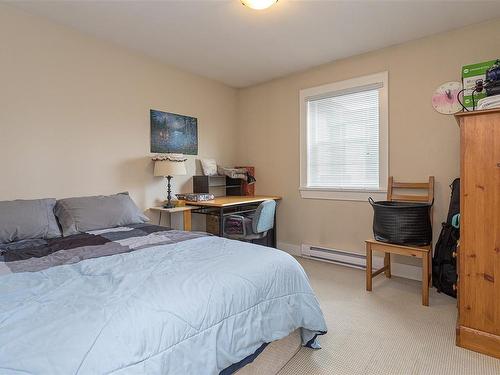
(356, 260)
(340, 257)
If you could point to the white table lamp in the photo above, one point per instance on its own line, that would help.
(168, 168)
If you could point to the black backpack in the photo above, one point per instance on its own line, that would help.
(444, 264)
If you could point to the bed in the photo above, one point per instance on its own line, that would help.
(144, 299)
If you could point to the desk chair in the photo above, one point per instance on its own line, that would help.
(253, 226)
(424, 253)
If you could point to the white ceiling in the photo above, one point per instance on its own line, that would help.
(223, 40)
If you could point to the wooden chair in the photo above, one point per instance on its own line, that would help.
(424, 253)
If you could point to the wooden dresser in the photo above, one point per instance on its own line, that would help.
(478, 325)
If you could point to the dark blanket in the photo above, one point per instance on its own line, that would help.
(37, 255)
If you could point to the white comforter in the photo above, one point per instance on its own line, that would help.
(193, 307)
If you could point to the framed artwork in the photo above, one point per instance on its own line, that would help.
(173, 133)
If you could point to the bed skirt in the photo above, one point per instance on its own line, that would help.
(274, 357)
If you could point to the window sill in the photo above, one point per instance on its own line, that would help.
(357, 195)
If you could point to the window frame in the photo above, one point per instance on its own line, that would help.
(334, 89)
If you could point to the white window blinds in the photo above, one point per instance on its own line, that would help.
(343, 139)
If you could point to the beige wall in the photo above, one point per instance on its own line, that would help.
(422, 142)
(74, 113)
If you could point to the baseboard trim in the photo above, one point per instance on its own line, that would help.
(407, 271)
(290, 248)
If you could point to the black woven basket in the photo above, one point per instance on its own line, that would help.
(402, 223)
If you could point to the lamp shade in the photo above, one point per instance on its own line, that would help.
(169, 168)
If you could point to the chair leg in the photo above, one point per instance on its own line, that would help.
(387, 263)
(430, 267)
(425, 280)
(368, 267)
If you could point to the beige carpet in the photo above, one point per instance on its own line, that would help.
(386, 331)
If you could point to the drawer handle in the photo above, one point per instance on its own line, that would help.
(454, 254)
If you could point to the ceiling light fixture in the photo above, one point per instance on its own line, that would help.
(258, 4)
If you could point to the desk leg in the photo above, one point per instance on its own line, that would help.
(187, 221)
(221, 222)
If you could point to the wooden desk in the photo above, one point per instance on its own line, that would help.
(220, 205)
(185, 210)
(234, 200)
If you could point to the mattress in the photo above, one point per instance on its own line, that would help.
(144, 299)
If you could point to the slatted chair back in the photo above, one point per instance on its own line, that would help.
(428, 186)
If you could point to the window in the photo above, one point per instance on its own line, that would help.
(344, 134)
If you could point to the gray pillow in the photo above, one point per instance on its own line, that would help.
(28, 219)
(83, 214)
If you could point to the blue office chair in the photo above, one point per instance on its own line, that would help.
(251, 227)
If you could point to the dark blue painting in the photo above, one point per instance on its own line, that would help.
(173, 133)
